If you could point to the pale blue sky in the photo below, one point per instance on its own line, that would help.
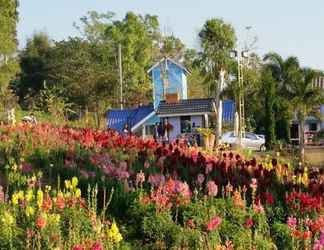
(289, 27)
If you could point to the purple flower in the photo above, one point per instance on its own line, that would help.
(26, 167)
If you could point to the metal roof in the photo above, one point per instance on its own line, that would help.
(186, 106)
(116, 118)
(196, 106)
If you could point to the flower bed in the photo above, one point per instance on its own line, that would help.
(162, 196)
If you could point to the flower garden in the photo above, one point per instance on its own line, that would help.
(65, 188)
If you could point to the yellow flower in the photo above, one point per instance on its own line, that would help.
(304, 179)
(68, 184)
(20, 195)
(14, 199)
(47, 188)
(40, 196)
(29, 195)
(77, 193)
(74, 182)
(29, 211)
(54, 218)
(7, 219)
(113, 233)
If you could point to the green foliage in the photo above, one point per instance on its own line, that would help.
(217, 39)
(282, 236)
(8, 41)
(34, 69)
(269, 93)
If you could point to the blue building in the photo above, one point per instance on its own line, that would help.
(170, 103)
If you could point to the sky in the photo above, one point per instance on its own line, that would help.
(288, 27)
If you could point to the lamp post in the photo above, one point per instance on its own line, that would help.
(240, 56)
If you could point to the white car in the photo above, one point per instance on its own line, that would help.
(249, 141)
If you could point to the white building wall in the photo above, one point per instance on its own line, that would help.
(197, 120)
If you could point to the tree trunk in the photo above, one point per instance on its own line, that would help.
(301, 140)
(218, 125)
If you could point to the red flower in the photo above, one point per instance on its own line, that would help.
(249, 223)
(40, 222)
(307, 235)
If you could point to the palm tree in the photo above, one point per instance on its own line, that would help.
(304, 98)
(282, 71)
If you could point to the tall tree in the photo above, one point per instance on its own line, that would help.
(269, 93)
(136, 35)
(304, 99)
(282, 71)
(33, 64)
(8, 45)
(217, 39)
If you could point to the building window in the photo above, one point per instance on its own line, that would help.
(149, 129)
(313, 127)
(185, 124)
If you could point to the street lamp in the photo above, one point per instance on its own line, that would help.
(240, 56)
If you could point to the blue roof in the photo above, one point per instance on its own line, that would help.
(116, 118)
(228, 110)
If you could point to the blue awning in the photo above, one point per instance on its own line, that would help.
(117, 119)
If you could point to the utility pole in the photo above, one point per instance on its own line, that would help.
(120, 76)
(240, 57)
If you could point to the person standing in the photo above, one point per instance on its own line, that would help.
(126, 129)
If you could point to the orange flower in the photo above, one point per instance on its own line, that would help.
(40, 222)
(297, 234)
(60, 203)
(47, 203)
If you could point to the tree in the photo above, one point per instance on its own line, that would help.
(304, 99)
(34, 68)
(8, 47)
(282, 71)
(217, 39)
(85, 72)
(269, 87)
(138, 36)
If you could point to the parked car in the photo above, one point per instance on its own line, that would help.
(249, 141)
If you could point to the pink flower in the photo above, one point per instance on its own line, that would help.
(254, 184)
(2, 195)
(319, 244)
(214, 223)
(140, 178)
(156, 179)
(200, 179)
(258, 208)
(292, 222)
(97, 246)
(212, 188)
(146, 164)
